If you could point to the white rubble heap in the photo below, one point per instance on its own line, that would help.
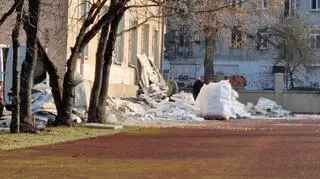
(182, 108)
(216, 100)
(267, 107)
(44, 109)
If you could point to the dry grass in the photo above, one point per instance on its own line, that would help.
(51, 136)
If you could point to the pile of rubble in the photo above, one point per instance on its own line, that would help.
(44, 109)
(216, 100)
(182, 107)
(179, 107)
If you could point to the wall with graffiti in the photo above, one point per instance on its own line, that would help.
(258, 74)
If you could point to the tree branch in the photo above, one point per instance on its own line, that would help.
(142, 6)
(219, 8)
(138, 25)
(10, 11)
(106, 18)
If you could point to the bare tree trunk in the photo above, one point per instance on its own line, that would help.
(65, 108)
(10, 11)
(97, 83)
(106, 67)
(15, 122)
(30, 62)
(55, 81)
(83, 38)
(291, 80)
(208, 59)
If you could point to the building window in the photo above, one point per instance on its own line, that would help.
(87, 7)
(133, 42)
(155, 47)
(184, 39)
(264, 4)
(315, 4)
(185, 44)
(235, 3)
(119, 44)
(290, 7)
(85, 52)
(315, 41)
(145, 39)
(236, 37)
(262, 40)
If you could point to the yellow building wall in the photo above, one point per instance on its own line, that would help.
(122, 75)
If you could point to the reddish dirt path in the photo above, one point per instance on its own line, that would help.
(282, 149)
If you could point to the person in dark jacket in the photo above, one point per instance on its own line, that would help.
(196, 88)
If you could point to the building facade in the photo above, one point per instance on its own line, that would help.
(146, 38)
(60, 21)
(232, 54)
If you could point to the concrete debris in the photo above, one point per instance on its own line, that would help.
(219, 100)
(5, 122)
(110, 118)
(151, 81)
(215, 100)
(148, 100)
(44, 109)
(81, 112)
(183, 97)
(103, 126)
(149, 73)
(180, 107)
(269, 108)
(179, 110)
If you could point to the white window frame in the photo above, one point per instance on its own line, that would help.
(237, 38)
(290, 8)
(145, 39)
(240, 5)
(118, 52)
(262, 44)
(133, 42)
(314, 35)
(264, 4)
(85, 52)
(87, 7)
(317, 5)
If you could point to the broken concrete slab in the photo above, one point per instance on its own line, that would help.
(6, 129)
(103, 126)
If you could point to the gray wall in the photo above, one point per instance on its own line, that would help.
(294, 101)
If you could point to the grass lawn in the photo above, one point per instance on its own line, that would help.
(51, 136)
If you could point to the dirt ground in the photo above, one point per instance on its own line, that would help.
(231, 149)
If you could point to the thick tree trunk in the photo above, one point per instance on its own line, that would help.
(65, 108)
(96, 88)
(208, 59)
(30, 62)
(55, 81)
(106, 67)
(15, 122)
